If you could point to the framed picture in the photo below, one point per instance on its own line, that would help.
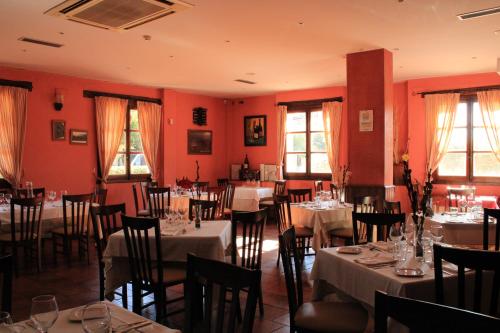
(78, 137)
(199, 142)
(58, 130)
(255, 130)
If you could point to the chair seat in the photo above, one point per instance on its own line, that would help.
(342, 233)
(338, 317)
(60, 231)
(143, 212)
(171, 275)
(7, 237)
(302, 232)
(266, 203)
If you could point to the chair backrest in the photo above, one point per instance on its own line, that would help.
(144, 259)
(318, 186)
(392, 207)
(282, 212)
(228, 197)
(300, 194)
(184, 183)
(99, 196)
(495, 214)
(222, 182)
(6, 265)
(136, 198)
(456, 194)
(477, 260)
(205, 274)
(25, 218)
(76, 213)
(216, 194)
(37, 192)
(335, 191)
(251, 226)
(420, 316)
(159, 201)
(365, 204)
(208, 209)
(144, 191)
(279, 187)
(201, 186)
(105, 221)
(293, 271)
(362, 225)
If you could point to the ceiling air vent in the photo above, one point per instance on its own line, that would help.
(40, 42)
(479, 13)
(116, 14)
(245, 81)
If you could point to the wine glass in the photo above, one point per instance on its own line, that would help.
(2, 198)
(44, 312)
(395, 235)
(96, 318)
(437, 233)
(462, 203)
(5, 319)
(408, 229)
(8, 196)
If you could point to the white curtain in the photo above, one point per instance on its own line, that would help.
(150, 127)
(332, 118)
(281, 110)
(440, 111)
(489, 103)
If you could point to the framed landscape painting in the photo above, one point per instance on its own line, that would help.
(255, 130)
(199, 142)
(79, 137)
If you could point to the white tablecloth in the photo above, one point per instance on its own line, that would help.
(248, 198)
(210, 241)
(462, 229)
(51, 216)
(321, 221)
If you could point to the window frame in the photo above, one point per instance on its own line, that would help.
(469, 178)
(307, 108)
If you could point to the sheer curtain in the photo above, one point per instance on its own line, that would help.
(489, 103)
(13, 114)
(440, 111)
(150, 126)
(332, 118)
(282, 109)
(111, 114)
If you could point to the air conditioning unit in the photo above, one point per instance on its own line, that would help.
(116, 14)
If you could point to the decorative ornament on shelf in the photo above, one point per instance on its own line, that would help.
(341, 178)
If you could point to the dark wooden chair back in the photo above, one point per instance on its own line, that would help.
(184, 183)
(201, 186)
(456, 194)
(282, 212)
(76, 213)
(251, 236)
(145, 261)
(106, 220)
(477, 260)
(279, 187)
(25, 219)
(392, 207)
(201, 303)
(222, 182)
(37, 192)
(420, 316)
(100, 196)
(318, 186)
(6, 268)
(216, 194)
(208, 209)
(159, 201)
(366, 222)
(228, 197)
(136, 198)
(365, 204)
(495, 214)
(300, 194)
(335, 191)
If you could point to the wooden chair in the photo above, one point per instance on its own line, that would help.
(184, 183)
(105, 221)
(279, 189)
(300, 194)
(392, 207)
(37, 192)
(139, 211)
(216, 194)
(201, 186)
(6, 266)
(222, 182)
(334, 191)
(75, 227)
(420, 316)
(205, 311)
(227, 201)
(478, 260)
(456, 194)
(208, 209)
(148, 271)
(25, 230)
(159, 201)
(251, 236)
(363, 223)
(318, 186)
(494, 213)
(99, 196)
(314, 316)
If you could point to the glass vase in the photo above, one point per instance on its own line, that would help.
(417, 241)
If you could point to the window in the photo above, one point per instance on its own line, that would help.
(305, 154)
(470, 158)
(130, 162)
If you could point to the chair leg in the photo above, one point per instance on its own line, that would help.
(54, 249)
(14, 258)
(136, 299)
(124, 296)
(278, 260)
(261, 303)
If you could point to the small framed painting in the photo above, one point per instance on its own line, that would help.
(199, 142)
(78, 137)
(58, 130)
(255, 130)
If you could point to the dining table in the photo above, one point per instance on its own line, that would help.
(247, 198)
(321, 218)
(52, 216)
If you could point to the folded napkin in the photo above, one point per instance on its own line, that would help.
(382, 246)
(376, 260)
(172, 231)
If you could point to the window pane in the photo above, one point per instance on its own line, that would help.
(317, 121)
(461, 117)
(134, 120)
(477, 119)
(296, 122)
(123, 143)
(486, 165)
(138, 165)
(453, 164)
(481, 139)
(458, 141)
(319, 163)
(318, 143)
(296, 142)
(135, 142)
(118, 166)
(296, 163)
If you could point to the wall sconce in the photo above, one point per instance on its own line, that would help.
(58, 100)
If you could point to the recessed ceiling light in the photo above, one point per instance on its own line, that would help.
(61, 33)
(146, 37)
(171, 56)
(301, 23)
(479, 13)
(474, 58)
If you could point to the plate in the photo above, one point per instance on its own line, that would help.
(409, 272)
(349, 250)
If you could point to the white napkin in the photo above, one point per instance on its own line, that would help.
(382, 246)
(376, 260)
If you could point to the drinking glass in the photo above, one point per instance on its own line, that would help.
(5, 319)
(8, 196)
(44, 312)
(395, 234)
(96, 318)
(408, 229)
(2, 198)
(437, 232)
(463, 205)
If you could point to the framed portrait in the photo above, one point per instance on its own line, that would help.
(58, 130)
(79, 137)
(199, 142)
(255, 130)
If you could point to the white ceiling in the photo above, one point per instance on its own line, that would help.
(188, 50)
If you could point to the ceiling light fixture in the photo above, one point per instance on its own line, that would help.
(479, 13)
(245, 81)
(146, 37)
(39, 42)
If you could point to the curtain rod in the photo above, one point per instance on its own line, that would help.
(314, 101)
(18, 84)
(460, 90)
(92, 94)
